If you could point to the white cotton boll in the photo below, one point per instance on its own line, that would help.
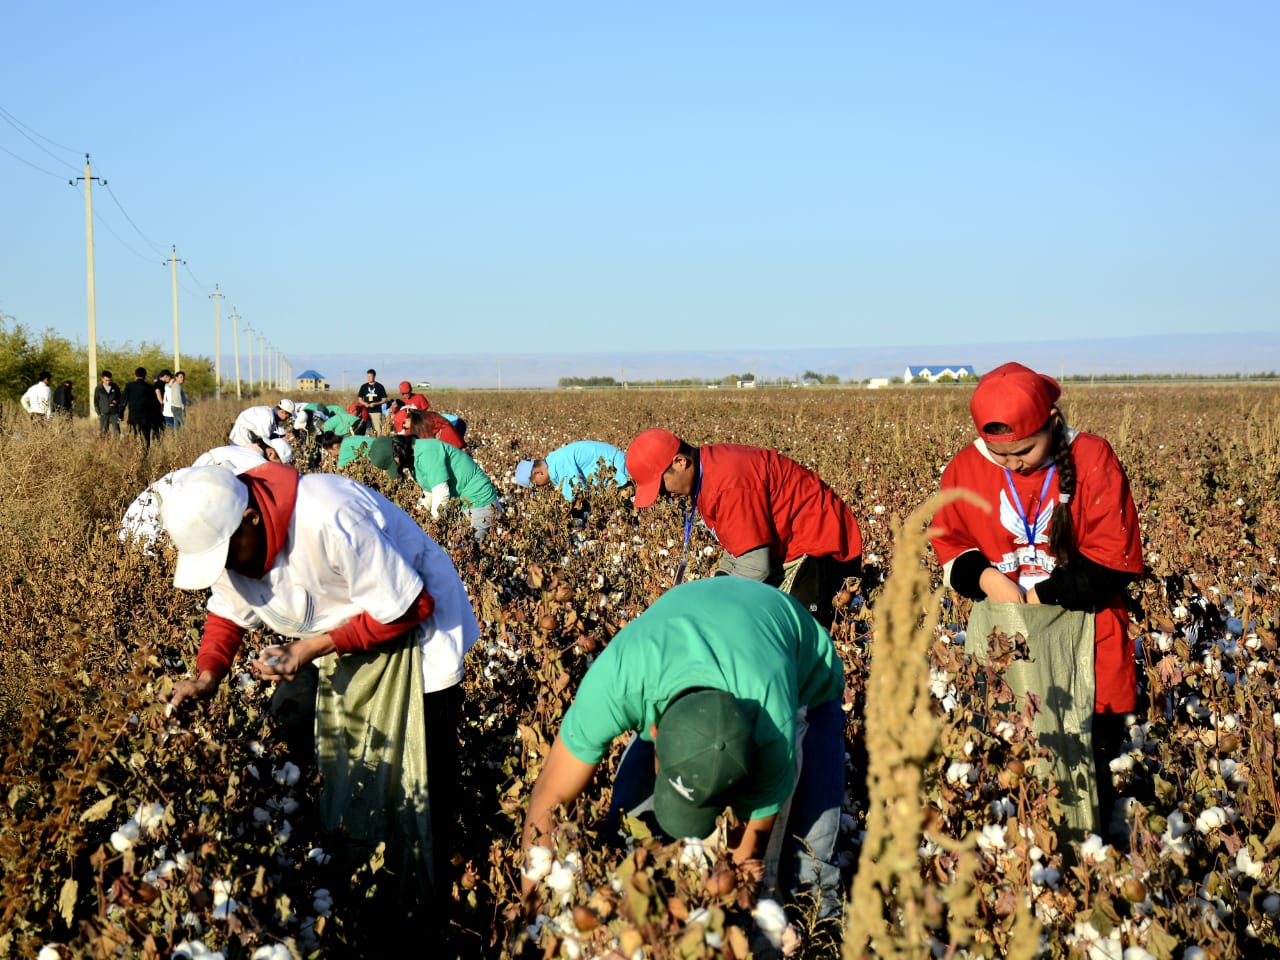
(322, 902)
(284, 833)
(537, 863)
(182, 859)
(1046, 877)
(560, 881)
(992, 838)
(150, 816)
(939, 683)
(694, 854)
(1271, 904)
(961, 773)
(1005, 730)
(222, 890)
(261, 816)
(1229, 722)
(1194, 953)
(225, 910)
(286, 774)
(1138, 953)
(1122, 763)
(1094, 849)
(1164, 642)
(968, 748)
(1002, 808)
(49, 952)
(1247, 865)
(1180, 612)
(196, 950)
(166, 869)
(318, 855)
(771, 920)
(272, 951)
(124, 838)
(245, 682)
(1211, 820)
(1177, 824)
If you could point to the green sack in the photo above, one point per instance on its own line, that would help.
(1060, 673)
(371, 750)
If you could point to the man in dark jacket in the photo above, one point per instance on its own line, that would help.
(108, 403)
(62, 400)
(139, 396)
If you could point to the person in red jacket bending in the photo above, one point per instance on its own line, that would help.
(776, 520)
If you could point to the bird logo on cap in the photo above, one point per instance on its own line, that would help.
(678, 785)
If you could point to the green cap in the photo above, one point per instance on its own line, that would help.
(382, 453)
(704, 750)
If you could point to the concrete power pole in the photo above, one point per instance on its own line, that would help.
(235, 331)
(88, 179)
(173, 264)
(262, 359)
(248, 329)
(216, 296)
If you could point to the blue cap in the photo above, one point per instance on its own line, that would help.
(524, 473)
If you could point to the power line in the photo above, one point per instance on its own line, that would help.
(14, 120)
(5, 116)
(149, 241)
(33, 166)
(111, 230)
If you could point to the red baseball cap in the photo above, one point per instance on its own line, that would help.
(648, 457)
(1016, 396)
(406, 387)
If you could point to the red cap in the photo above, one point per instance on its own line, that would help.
(648, 457)
(401, 420)
(1016, 396)
(406, 387)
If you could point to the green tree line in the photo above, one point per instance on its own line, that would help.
(24, 355)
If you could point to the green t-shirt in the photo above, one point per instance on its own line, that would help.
(726, 633)
(436, 462)
(341, 423)
(352, 448)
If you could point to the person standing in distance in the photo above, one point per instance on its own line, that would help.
(371, 397)
(108, 404)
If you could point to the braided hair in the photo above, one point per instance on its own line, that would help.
(1061, 527)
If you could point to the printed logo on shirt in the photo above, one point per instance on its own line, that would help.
(1028, 561)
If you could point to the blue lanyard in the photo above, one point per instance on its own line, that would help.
(1029, 526)
(689, 510)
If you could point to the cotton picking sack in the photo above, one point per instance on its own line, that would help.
(1060, 673)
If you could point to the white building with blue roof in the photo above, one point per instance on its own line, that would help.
(935, 372)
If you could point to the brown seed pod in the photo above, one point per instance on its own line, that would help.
(547, 623)
(584, 918)
(844, 598)
(722, 883)
(1134, 890)
(564, 592)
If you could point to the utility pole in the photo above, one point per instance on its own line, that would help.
(173, 263)
(216, 296)
(235, 330)
(88, 179)
(248, 329)
(262, 359)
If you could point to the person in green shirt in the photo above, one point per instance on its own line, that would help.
(443, 472)
(721, 680)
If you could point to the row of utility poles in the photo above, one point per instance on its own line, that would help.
(274, 368)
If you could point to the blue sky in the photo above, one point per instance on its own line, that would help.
(513, 178)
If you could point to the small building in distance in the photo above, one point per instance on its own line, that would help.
(311, 382)
(875, 383)
(935, 372)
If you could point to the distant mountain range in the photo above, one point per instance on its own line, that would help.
(1217, 353)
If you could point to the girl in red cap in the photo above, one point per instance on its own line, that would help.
(1062, 530)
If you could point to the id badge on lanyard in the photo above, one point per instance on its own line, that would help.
(1032, 568)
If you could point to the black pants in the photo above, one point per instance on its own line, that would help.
(1108, 737)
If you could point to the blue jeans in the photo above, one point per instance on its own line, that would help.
(808, 856)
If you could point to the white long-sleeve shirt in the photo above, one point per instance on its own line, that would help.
(349, 551)
(38, 400)
(260, 421)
